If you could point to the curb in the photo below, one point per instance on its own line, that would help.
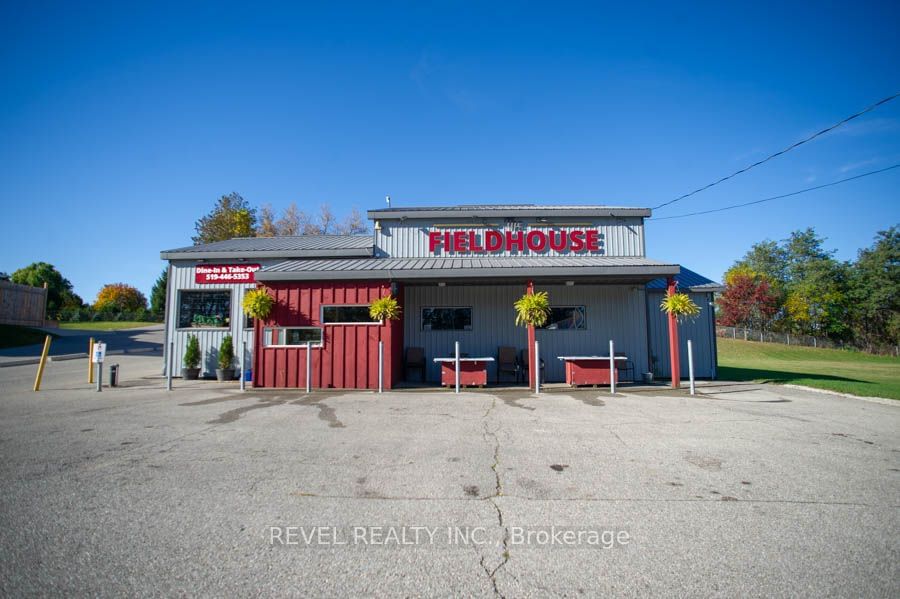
(873, 399)
(25, 362)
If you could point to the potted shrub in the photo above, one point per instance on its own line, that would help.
(225, 371)
(532, 309)
(385, 308)
(680, 305)
(191, 370)
(258, 304)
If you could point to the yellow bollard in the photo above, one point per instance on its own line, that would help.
(40, 372)
(91, 360)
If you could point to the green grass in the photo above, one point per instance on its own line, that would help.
(830, 369)
(104, 326)
(16, 336)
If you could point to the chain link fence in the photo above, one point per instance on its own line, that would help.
(746, 334)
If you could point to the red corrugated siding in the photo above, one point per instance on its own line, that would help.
(349, 358)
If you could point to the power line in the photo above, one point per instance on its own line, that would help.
(778, 197)
(784, 151)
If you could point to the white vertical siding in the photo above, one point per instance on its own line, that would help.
(409, 239)
(183, 279)
(612, 311)
(701, 331)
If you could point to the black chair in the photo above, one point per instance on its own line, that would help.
(523, 364)
(507, 362)
(415, 360)
(626, 367)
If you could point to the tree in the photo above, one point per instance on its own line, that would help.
(769, 259)
(748, 299)
(875, 290)
(291, 221)
(267, 227)
(158, 294)
(354, 224)
(231, 217)
(118, 297)
(59, 289)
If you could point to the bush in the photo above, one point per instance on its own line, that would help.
(192, 352)
(226, 353)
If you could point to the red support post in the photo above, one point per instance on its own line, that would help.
(674, 361)
(529, 289)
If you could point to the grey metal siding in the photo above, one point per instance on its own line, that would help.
(612, 311)
(700, 330)
(182, 278)
(409, 239)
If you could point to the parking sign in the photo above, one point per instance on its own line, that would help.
(99, 353)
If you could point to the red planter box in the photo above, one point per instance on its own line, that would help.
(589, 372)
(471, 373)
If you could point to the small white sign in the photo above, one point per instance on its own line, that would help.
(99, 353)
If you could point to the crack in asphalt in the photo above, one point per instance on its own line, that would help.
(491, 436)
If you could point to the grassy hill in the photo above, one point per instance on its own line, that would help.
(831, 369)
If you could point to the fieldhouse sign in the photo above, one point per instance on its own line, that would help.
(493, 240)
(225, 273)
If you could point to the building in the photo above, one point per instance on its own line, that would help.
(456, 271)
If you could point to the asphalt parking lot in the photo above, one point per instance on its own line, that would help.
(741, 491)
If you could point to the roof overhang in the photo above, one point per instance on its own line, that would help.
(537, 211)
(260, 254)
(630, 273)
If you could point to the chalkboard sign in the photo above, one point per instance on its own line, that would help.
(204, 309)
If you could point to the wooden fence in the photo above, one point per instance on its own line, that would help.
(22, 304)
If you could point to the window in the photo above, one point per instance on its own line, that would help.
(566, 318)
(204, 309)
(446, 319)
(347, 315)
(292, 336)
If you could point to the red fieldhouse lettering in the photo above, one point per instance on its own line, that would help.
(576, 241)
(493, 240)
(459, 241)
(434, 240)
(473, 242)
(593, 242)
(515, 238)
(536, 241)
(560, 244)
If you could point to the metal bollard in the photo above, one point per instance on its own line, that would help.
(612, 368)
(691, 364)
(456, 352)
(537, 368)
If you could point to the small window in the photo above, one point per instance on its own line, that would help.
(566, 318)
(446, 319)
(347, 315)
(292, 336)
(204, 309)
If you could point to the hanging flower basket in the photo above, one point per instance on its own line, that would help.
(257, 304)
(532, 309)
(385, 308)
(680, 305)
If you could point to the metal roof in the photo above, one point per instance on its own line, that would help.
(688, 279)
(299, 246)
(506, 210)
(558, 267)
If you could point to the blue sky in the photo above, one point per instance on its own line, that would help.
(121, 124)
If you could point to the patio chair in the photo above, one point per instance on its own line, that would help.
(415, 360)
(523, 363)
(627, 367)
(507, 362)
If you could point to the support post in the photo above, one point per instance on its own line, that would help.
(381, 366)
(309, 366)
(537, 368)
(90, 360)
(99, 376)
(691, 365)
(529, 289)
(612, 367)
(674, 361)
(169, 366)
(43, 362)
(456, 362)
(243, 365)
